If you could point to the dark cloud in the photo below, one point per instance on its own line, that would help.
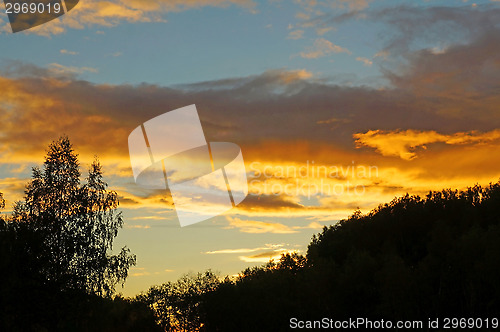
(268, 202)
(450, 25)
(405, 27)
(127, 201)
(267, 254)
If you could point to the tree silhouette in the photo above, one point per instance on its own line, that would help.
(75, 224)
(180, 305)
(56, 270)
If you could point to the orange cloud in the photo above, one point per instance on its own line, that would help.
(288, 77)
(402, 143)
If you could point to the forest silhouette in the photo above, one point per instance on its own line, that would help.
(413, 258)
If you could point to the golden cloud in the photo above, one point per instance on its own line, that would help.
(258, 227)
(402, 143)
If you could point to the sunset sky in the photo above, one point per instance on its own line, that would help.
(336, 105)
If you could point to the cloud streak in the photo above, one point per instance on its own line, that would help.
(322, 47)
(259, 227)
(402, 143)
(263, 255)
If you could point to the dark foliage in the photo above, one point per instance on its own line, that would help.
(56, 270)
(181, 305)
(413, 258)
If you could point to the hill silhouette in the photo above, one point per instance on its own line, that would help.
(411, 259)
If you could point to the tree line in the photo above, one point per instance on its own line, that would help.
(413, 258)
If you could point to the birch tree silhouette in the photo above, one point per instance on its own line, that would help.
(75, 224)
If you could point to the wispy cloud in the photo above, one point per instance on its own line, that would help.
(262, 257)
(351, 5)
(296, 34)
(137, 226)
(244, 250)
(322, 47)
(233, 251)
(365, 61)
(138, 272)
(266, 256)
(258, 227)
(262, 254)
(58, 69)
(63, 51)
